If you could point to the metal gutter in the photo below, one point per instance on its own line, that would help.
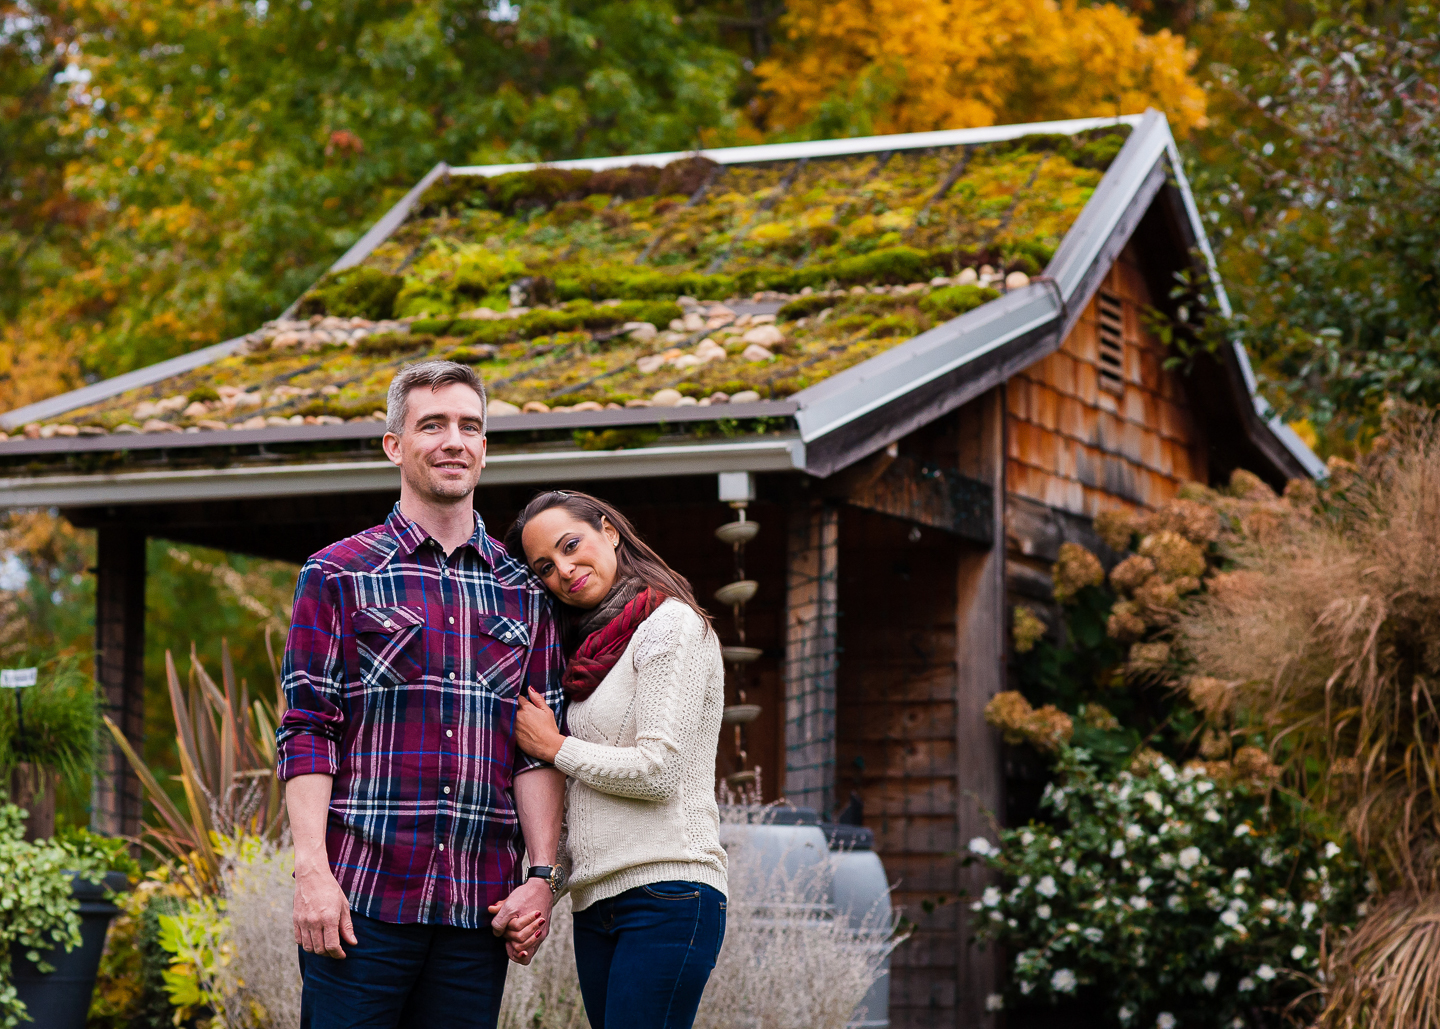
(498, 426)
(819, 148)
(771, 454)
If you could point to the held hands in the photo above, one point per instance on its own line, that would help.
(322, 914)
(535, 730)
(523, 918)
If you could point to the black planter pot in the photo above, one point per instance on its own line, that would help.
(61, 999)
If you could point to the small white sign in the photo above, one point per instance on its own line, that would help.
(15, 678)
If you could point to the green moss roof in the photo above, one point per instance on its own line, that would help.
(573, 287)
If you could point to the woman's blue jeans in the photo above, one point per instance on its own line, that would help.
(644, 957)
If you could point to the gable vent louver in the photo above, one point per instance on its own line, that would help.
(1112, 344)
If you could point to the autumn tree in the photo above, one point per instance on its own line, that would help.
(854, 67)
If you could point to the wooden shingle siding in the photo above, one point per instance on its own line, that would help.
(1080, 448)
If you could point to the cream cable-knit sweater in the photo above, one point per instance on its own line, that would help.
(640, 806)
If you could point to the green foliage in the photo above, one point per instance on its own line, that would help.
(100, 853)
(130, 991)
(37, 912)
(386, 344)
(953, 301)
(1166, 893)
(616, 439)
(804, 307)
(61, 717)
(353, 293)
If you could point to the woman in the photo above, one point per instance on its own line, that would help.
(645, 683)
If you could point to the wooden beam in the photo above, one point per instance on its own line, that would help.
(811, 592)
(981, 628)
(930, 495)
(120, 672)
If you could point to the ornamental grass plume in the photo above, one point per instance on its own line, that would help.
(1333, 643)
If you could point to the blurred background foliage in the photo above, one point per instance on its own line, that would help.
(175, 172)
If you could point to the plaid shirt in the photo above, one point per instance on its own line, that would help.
(401, 672)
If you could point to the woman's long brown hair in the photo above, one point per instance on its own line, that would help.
(634, 557)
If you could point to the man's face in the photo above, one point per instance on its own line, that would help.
(442, 449)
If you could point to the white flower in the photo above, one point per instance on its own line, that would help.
(1270, 856)
(1167, 861)
(1144, 883)
(1189, 857)
(1093, 934)
(1071, 927)
(1100, 902)
(1297, 952)
(1117, 849)
(1242, 830)
(1245, 985)
(994, 1002)
(1043, 911)
(1219, 943)
(1153, 799)
(980, 845)
(977, 906)
(1166, 771)
(1211, 980)
(1331, 850)
(1068, 867)
(1023, 881)
(1063, 980)
(1055, 843)
(1126, 1012)
(1237, 1023)
(1027, 838)
(1133, 832)
(1241, 873)
(1046, 886)
(1012, 923)
(991, 897)
(1164, 1020)
(1175, 902)
(1265, 972)
(1307, 912)
(996, 916)
(1211, 815)
(1139, 903)
(1230, 918)
(1204, 785)
(1268, 904)
(1025, 987)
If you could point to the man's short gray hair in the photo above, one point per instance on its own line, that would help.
(432, 374)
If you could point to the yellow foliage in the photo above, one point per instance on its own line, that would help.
(917, 65)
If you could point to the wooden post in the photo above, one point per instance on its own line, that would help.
(981, 630)
(810, 625)
(120, 672)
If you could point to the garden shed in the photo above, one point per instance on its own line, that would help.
(921, 362)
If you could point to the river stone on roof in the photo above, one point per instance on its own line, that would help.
(692, 284)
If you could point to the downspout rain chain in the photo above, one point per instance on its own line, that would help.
(735, 596)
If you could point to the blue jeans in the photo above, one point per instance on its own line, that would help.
(406, 977)
(644, 957)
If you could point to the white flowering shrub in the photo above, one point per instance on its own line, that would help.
(1175, 899)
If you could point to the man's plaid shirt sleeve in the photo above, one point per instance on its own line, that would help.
(547, 666)
(312, 675)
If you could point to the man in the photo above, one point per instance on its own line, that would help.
(409, 802)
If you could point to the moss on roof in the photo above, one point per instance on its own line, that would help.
(573, 287)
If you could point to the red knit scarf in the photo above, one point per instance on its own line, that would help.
(602, 648)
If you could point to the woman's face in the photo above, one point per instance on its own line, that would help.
(575, 560)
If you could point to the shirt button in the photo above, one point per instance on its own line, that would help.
(509, 634)
(449, 732)
(452, 675)
(447, 789)
(388, 623)
(442, 846)
(452, 619)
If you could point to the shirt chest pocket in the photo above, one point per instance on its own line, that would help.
(390, 643)
(501, 644)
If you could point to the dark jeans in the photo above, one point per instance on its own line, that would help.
(644, 957)
(406, 977)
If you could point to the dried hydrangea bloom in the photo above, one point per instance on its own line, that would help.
(1186, 584)
(1125, 623)
(1046, 729)
(1130, 574)
(1049, 729)
(1149, 657)
(1075, 569)
(1248, 486)
(1210, 695)
(1214, 745)
(1253, 763)
(1009, 712)
(1157, 598)
(1098, 716)
(1026, 630)
(1116, 528)
(1145, 761)
(1173, 554)
(1196, 521)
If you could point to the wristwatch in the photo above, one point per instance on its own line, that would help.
(553, 875)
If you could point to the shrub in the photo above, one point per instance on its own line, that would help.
(1164, 892)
